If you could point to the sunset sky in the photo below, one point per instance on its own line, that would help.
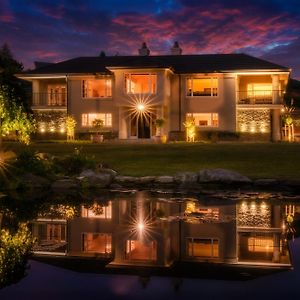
(53, 30)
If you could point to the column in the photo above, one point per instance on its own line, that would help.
(276, 249)
(275, 88)
(122, 124)
(275, 125)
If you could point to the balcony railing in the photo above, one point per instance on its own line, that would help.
(49, 99)
(258, 97)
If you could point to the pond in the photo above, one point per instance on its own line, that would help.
(136, 239)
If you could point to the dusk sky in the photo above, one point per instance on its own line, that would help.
(53, 30)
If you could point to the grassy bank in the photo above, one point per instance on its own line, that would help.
(261, 160)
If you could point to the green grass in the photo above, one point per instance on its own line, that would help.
(256, 160)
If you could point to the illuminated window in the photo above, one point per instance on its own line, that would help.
(87, 119)
(204, 119)
(97, 211)
(57, 94)
(140, 83)
(259, 89)
(97, 242)
(96, 88)
(207, 86)
(197, 247)
(261, 244)
(141, 250)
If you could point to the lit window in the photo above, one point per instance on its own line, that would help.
(261, 244)
(259, 89)
(207, 86)
(140, 83)
(197, 247)
(205, 119)
(87, 119)
(57, 95)
(97, 242)
(97, 211)
(96, 88)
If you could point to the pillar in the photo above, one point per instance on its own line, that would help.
(123, 134)
(276, 248)
(275, 88)
(275, 125)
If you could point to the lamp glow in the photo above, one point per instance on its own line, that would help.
(140, 107)
(141, 226)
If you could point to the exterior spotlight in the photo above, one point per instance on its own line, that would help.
(62, 130)
(140, 107)
(42, 129)
(141, 226)
(52, 129)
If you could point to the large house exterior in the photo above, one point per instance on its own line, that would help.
(221, 92)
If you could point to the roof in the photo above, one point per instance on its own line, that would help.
(181, 64)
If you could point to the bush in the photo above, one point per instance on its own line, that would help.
(215, 135)
(14, 252)
(30, 161)
(73, 164)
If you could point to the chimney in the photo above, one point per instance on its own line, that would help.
(176, 50)
(144, 50)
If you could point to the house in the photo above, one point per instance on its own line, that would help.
(221, 92)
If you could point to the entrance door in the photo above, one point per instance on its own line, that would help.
(141, 126)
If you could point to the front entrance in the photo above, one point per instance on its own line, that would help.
(141, 126)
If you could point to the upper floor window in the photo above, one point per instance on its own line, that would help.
(96, 88)
(140, 83)
(57, 95)
(87, 119)
(206, 86)
(205, 119)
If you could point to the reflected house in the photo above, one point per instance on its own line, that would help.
(208, 233)
(140, 230)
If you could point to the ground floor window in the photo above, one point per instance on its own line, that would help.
(204, 119)
(87, 119)
(141, 250)
(254, 120)
(97, 242)
(198, 247)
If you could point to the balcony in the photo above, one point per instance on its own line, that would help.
(49, 100)
(259, 97)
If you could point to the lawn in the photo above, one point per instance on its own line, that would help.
(256, 160)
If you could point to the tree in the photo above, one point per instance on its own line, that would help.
(16, 88)
(14, 118)
(70, 126)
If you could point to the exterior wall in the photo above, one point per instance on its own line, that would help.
(223, 103)
(169, 102)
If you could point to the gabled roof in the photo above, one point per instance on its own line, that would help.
(181, 64)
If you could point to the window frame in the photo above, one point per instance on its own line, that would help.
(211, 119)
(105, 119)
(211, 239)
(149, 84)
(212, 94)
(100, 97)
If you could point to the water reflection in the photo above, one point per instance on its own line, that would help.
(139, 229)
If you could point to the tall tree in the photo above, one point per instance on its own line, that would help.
(16, 88)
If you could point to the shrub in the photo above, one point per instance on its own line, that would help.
(30, 161)
(73, 164)
(14, 252)
(215, 135)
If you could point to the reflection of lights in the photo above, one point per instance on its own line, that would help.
(140, 107)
